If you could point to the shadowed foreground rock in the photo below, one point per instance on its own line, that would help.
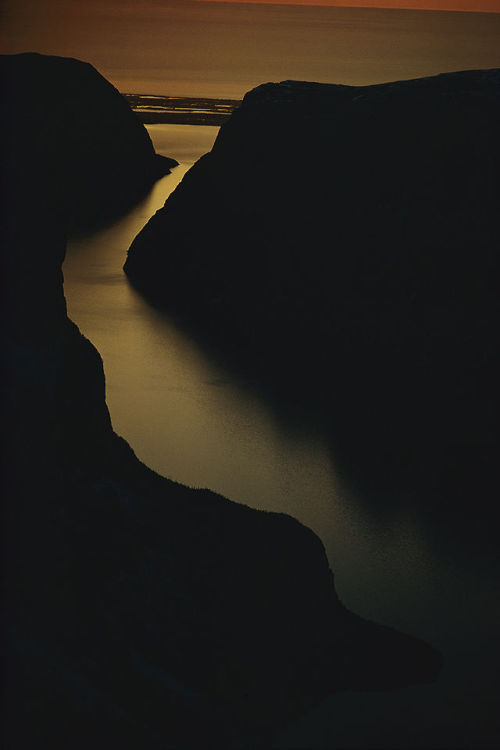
(66, 106)
(141, 613)
(345, 237)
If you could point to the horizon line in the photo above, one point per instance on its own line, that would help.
(373, 5)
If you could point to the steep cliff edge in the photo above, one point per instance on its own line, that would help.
(141, 613)
(65, 105)
(345, 237)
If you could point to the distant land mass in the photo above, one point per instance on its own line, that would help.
(156, 109)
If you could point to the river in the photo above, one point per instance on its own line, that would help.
(191, 419)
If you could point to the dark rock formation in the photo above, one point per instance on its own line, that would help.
(65, 105)
(345, 237)
(141, 613)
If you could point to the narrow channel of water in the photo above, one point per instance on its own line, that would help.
(194, 421)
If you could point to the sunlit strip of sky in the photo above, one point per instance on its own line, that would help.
(483, 6)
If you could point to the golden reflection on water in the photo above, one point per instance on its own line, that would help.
(185, 417)
(189, 419)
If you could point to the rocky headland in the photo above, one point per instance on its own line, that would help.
(341, 240)
(66, 106)
(139, 613)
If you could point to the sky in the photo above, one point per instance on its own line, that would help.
(491, 6)
(223, 49)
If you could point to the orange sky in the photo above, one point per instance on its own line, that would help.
(492, 6)
(224, 49)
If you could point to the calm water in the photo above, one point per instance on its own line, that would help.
(192, 420)
(189, 418)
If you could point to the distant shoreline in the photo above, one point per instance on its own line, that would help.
(154, 109)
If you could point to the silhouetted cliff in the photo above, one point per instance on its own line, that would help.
(345, 237)
(141, 613)
(66, 106)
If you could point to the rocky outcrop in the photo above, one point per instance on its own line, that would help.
(141, 613)
(344, 237)
(94, 138)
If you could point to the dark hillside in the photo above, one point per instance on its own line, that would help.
(346, 237)
(94, 138)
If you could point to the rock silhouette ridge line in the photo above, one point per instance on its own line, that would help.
(357, 226)
(142, 613)
(99, 149)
